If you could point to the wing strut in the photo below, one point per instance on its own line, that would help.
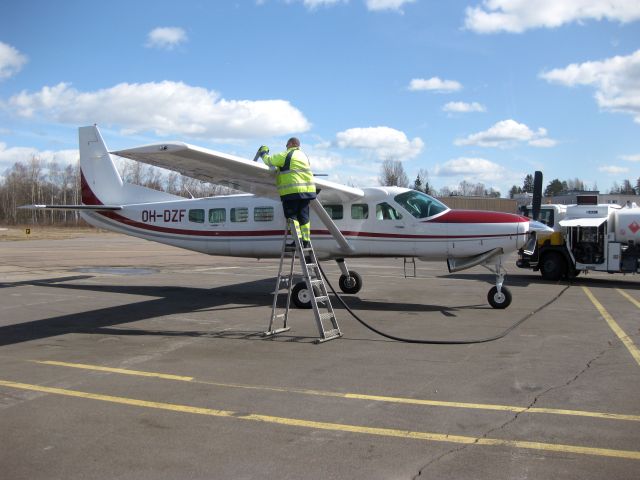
(331, 226)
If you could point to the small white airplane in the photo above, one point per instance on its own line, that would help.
(368, 222)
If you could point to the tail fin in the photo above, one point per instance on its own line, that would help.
(100, 180)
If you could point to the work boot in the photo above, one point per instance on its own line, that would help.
(306, 244)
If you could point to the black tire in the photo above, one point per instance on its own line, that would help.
(572, 274)
(499, 300)
(350, 284)
(300, 295)
(553, 266)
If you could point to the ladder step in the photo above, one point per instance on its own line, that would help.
(329, 335)
(326, 316)
(322, 298)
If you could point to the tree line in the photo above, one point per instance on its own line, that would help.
(392, 174)
(37, 182)
(558, 187)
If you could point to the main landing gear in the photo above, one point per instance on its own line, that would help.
(498, 296)
(350, 282)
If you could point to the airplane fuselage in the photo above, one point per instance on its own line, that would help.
(377, 225)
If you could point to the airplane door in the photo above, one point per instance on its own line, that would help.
(395, 234)
(218, 240)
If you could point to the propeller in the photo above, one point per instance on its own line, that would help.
(537, 195)
(535, 226)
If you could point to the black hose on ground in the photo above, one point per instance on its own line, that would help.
(441, 342)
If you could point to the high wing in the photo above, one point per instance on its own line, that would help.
(229, 170)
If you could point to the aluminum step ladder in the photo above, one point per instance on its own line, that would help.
(323, 312)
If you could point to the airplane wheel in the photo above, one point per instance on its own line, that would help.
(350, 284)
(499, 300)
(300, 295)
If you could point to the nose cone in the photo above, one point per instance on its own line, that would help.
(539, 227)
(524, 227)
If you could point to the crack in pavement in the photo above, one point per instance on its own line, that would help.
(516, 416)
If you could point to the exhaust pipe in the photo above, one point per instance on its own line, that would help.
(457, 264)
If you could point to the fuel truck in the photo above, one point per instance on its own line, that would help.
(587, 236)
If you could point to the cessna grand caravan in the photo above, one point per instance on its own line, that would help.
(347, 222)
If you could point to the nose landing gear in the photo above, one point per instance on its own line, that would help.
(499, 296)
(350, 281)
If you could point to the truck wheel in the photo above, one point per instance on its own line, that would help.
(572, 273)
(499, 300)
(553, 266)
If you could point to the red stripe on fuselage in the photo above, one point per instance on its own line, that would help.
(477, 216)
(88, 197)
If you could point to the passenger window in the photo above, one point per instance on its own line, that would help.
(239, 214)
(217, 215)
(336, 212)
(384, 211)
(359, 211)
(263, 214)
(196, 215)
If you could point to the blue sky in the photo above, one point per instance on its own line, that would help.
(483, 91)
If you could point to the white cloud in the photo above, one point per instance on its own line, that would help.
(631, 158)
(508, 133)
(435, 84)
(166, 108)
(616, 79)
(464, 107)
(543, 142)
(9, 156)
(477, 169)
(516, 16)
(11, 61)
(379, 5)
(382, 142)
(313, 4)
(322, 158)
(613, 169)
(166, 37)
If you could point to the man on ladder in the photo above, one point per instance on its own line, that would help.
(295, 186)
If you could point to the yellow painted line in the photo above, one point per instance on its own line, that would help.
(633, 350)
(122, 371)
(628, 297)
(357, 396)
(335, 427)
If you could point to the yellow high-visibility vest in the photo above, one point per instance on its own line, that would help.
(294, 179)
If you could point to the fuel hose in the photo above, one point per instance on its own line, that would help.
(442, 342)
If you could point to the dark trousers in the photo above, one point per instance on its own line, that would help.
(298, 210)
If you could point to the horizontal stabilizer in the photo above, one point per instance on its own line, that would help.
(72, 207)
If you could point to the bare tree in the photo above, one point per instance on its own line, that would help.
(172, 183)
(392, 174)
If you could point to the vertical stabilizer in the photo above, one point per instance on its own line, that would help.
(101, 182)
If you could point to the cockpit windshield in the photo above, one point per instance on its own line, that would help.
(419, 204)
